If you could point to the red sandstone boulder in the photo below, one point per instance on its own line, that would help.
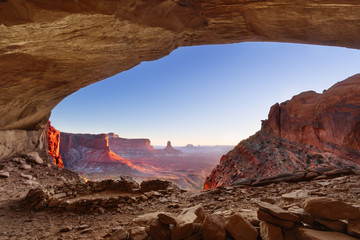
(354, 227)
(158, 231)
(331, 209)
(240, 229)
(278, 212)
(214, 227)
(310, 234)
(270, 232)
(188, 222)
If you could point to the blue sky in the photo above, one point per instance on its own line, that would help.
(207, 95)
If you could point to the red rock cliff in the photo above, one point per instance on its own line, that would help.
(130, 148)
(93, 141)
(53, 137)
(91, 153)
(310, 130)
(320, 119)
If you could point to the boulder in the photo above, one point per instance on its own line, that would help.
(53, 202)
(310, 234)
(144, 218)
(240, 229)
(334, 225)
(214, 227)
(331, 209)
(298, 194)
(138, 233)
(304, 216)
(158, 231)
(354, 227)
(120, 234)
(4, 174)
(187, 222)
(270, 232)
(33, 157)
(290, 234)
(28, 177)
(25, 166)
(278, 212)
(267, 217)
(166, 218)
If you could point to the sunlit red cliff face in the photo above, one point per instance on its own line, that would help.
(91, 152)
(310, 130)
(53, 137)
(101, 156)
(130, 148)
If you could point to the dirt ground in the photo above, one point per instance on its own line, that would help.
(18, 223)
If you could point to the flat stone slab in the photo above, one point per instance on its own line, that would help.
(310, 234)
(331, 209)
(278, 212)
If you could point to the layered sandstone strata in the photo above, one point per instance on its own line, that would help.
(311, 130)
(130, 148)
(91, 153)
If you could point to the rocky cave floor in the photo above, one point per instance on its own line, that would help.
(20, 223)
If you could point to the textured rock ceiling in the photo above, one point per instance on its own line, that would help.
(51, 48)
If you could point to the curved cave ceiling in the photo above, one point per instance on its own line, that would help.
(50, 49)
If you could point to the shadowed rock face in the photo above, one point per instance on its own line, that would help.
(50, 49)
(311, 130)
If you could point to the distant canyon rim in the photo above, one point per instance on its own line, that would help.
(51, 49)
(311, 131)
(97, 157)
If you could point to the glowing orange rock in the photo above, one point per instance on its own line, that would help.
(53, 136)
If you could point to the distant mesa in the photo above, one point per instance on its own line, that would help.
(99, 152)
(100, 156)
(113, 135)
(130, 148)
(92, 153)
(309, 131)
(170, 150)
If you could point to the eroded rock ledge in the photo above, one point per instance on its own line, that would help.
(311, 130)
(50, 49)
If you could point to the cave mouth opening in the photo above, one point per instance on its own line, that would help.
(203, 95)
(207, 95)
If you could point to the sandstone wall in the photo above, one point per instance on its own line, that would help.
(322, 120)
(20, 141)
(130, 148)
(310, 131)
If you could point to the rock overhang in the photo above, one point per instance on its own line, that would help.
(50, 49)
